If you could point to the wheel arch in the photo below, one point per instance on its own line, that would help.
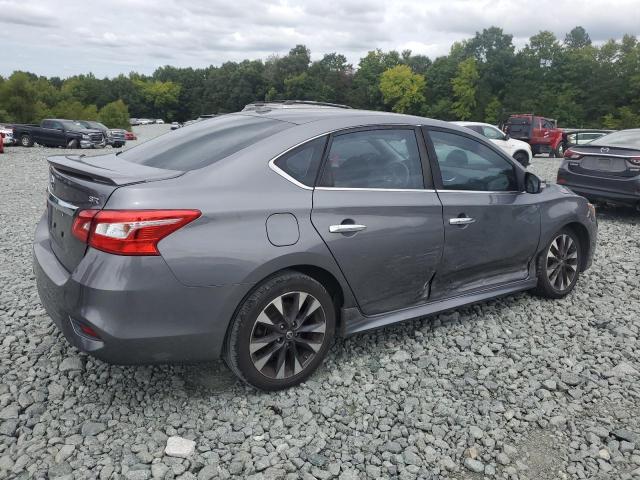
(585, 242)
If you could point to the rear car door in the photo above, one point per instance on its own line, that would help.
(380, 216)
(48, 132)
(491, 228)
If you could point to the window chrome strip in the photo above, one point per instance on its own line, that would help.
(443, 190)
(355, 189)
(61, 203)
(597, 154)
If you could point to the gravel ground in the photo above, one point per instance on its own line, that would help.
(513, 388)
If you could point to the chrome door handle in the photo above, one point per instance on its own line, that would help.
(346, 228)
(461, 221)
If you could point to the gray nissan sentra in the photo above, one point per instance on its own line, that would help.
(259, 236)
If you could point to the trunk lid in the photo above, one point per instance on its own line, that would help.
(605, 162)
(76, 183)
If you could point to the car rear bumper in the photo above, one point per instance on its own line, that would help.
(140, 311)
(619, 190)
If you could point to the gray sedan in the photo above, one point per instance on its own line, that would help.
(261, 235)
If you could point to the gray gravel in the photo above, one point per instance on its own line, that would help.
(513, 388)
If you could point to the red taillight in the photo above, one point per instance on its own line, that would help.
(82, 224)
(133, 232)
(572, 155)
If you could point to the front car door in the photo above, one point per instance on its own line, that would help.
(491, 228)
(380, 216)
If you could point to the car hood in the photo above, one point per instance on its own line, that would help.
(515, 143)
(85, 131)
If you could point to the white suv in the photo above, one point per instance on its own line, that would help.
(519, 150)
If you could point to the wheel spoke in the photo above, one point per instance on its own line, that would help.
(259, 343)
(311, 344)
(309, 310)
(266, 356)
(312, 328)
(281, 363)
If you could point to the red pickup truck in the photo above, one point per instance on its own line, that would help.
(541, 133)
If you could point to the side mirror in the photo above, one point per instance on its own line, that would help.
(532, 184)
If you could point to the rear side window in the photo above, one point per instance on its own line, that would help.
(302, 163)
(386, 158)
(203, 143)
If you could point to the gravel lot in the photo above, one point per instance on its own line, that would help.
(514, 388)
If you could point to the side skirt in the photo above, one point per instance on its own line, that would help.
(354, 322)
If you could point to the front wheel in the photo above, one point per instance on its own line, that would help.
(281, 333)
(558, 152)
(559, 265)
(73, 143)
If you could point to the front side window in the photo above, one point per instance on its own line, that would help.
(302, 163)
(466, 164)
(385, 158)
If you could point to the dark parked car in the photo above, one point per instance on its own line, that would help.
(113, 136)
(581, 136)
(607, 168)
(56, 132)
(259, 236)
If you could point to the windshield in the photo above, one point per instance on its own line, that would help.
(203, 143)
(96, 125)
(623, 138)
(73, 125)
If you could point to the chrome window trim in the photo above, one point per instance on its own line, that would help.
(595, 154)
(61, 203)
(286, 176)
(444, 190)
(364, 189)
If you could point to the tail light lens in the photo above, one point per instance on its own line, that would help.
(129, 232)
(572, 155)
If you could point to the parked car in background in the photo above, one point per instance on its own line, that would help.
(54, 132)
(159, 121)
(175, 125)
(519, 150)
(133, 122)
(582, 136)
(607, 168)
(7, 134)
(130, 136)
(542, 134)
(239, 236)
(145, 121)
(113, 136)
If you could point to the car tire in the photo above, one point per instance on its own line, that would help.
(26, 140)
(73, 143)
(281, 332)
(522, 158)
(558, 152)
(558, 266)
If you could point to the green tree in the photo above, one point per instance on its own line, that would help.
(74, 110)
(577, 38)
(18, 96)
(493, 111)
(402, 89)
(464, 89)
(115, 115)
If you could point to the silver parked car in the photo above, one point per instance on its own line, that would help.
(259, 236)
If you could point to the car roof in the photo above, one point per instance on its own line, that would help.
(464, 124)
(301, 116)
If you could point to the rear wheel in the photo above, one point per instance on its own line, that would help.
(26, 140)
(559, 265)
(558, 152)
(282, 332)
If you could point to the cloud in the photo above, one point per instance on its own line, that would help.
(75, 36)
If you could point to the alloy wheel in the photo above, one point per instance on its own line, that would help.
(287, 335)
(562, 262)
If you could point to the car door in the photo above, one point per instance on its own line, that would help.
(380, 216)
(491, 228)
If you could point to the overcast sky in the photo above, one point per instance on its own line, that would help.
(67, 37)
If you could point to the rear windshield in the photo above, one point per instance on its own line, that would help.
(203, 143)
(624, 138)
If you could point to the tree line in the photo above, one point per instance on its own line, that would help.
(483, 78)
